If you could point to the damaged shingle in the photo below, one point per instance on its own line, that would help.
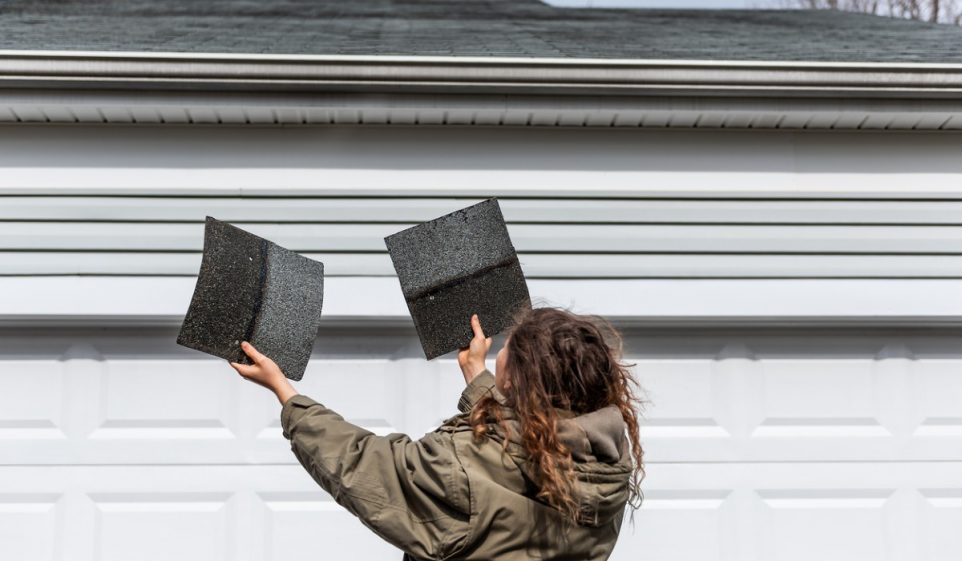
(251, 289)
(454, 266)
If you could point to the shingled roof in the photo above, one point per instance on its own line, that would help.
(471, 62)
(475, 28)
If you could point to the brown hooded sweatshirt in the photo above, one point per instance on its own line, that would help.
(446, 496)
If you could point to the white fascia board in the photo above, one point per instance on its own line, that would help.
(119, 300)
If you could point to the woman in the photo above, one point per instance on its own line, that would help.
(541, 461)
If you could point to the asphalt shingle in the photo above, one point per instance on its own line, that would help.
(457, 265)
(252, 289)
(489, 28)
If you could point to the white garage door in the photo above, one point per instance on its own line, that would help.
(116, 444)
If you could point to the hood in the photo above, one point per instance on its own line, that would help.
(599, 448)
(598, 436)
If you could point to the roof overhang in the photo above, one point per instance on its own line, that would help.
(190, 88)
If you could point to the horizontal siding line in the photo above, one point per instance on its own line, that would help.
(408, 223)
(736, 265)
(574, 238)
(134, 252)
(547, 196)
(539, 277)
(318, 213)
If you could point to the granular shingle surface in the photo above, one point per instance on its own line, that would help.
(454, 266)
(225, 299)
(450, 247)
(291, 310)
(443, 317)
(250, 288)
(488, 28)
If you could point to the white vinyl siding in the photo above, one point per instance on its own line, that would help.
(579, 204)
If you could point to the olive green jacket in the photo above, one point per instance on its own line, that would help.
(446, 496)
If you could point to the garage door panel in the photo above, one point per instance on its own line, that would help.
(294, 525)
(31, 403)
(29, 526)
(681, 388)
(824, 524)
(155, 399)
(683, 397)
(127, 523)
(938, 398)
(821, 401)
(941, 518)
(707, 515)
(813, 392)
(337, 383)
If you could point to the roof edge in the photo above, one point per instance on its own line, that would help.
(70, 70)
(181, 55)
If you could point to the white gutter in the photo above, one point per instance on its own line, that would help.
(247, 72)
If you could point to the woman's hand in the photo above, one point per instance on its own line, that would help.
(471, 358)
(264, 372)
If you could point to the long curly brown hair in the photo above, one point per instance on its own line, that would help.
(559, 359)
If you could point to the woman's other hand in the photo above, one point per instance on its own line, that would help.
(471, 358)
(264, 372)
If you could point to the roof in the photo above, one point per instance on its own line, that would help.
(489, 28)
(471, 62)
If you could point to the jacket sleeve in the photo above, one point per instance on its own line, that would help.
(412, 493)
(481, 385)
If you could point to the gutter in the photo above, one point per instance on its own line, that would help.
(207, 72)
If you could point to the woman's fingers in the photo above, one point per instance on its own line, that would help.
(255, 355)
(479, 335)
(245, 370)
(476, 326)
(263, 372)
